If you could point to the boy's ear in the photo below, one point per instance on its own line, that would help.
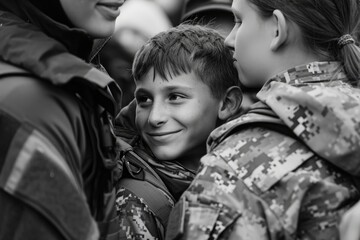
(231, 103)
(280, 31)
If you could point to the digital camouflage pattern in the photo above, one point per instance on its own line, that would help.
(137, 221)
(143, 208)
(284, 170)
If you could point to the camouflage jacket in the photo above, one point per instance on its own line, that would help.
(285, 170)
(137, 220)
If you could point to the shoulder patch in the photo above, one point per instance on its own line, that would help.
(35, 173)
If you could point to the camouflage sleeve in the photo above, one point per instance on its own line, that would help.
(219, 206)
(302, 205)
(313, 199)
(137, 221)
(298, 196)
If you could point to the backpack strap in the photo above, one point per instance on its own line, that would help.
(141, 179)
(136, 166)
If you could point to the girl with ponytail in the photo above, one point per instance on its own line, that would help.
(287, 168)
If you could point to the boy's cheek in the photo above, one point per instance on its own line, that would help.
(141, 118)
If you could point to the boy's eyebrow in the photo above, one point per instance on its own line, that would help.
(172, 88)
(167, 88)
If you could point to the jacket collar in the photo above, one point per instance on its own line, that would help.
(314, 72)
(75, 40)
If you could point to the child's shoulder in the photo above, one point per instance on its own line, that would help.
(136, 216)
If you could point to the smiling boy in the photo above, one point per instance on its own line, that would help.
(170, 116)
(186, 85)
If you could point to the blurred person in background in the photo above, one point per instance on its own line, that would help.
(214, 13)
(173, 9)
(139, 20)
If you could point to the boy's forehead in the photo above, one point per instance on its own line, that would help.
(181, 80)
(167, 75)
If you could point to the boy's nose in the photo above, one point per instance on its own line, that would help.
(158, 115)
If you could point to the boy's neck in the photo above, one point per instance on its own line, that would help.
(191, 160)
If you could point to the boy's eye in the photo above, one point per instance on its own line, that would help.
(141, 100)
(176, 97)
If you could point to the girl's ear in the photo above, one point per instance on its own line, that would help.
(231, 103)
(281, 30)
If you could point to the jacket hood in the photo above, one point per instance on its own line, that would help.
(317, 105)
(28, 46)
(53, 23)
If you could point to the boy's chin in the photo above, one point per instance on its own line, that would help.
(164, 156)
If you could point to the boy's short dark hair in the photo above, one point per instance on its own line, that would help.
(187, 48)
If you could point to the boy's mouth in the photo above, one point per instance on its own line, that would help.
(160, 134)
(162, 138)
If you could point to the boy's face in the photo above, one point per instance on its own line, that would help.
(96, 17)
(175, 117)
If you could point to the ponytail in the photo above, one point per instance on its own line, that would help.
(348, 44)
(322, 24)
(350, 56)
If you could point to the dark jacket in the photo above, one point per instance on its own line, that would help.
(55, 170)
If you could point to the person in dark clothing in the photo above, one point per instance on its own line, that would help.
(56, 106)
(214, 13)
(139, 20)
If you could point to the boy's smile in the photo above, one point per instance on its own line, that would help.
(162, 137)
(175, 117)
(161, 134)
